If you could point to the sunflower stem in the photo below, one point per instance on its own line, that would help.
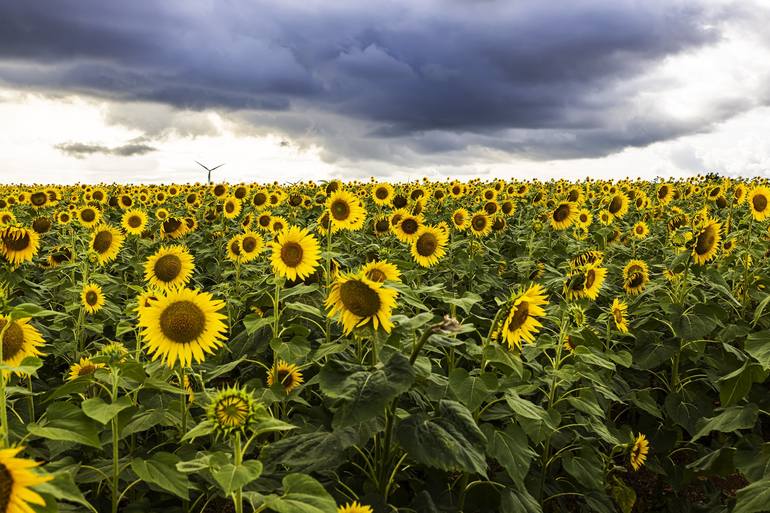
(328, 279)
(238, 457)
(3, 374)
(421, 342)
(182, 401)
(115, 452)
(276, 307)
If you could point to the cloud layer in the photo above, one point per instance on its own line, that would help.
(385, 81)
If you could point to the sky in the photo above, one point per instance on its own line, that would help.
(94, 91)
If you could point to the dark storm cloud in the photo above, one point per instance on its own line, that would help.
(530, 77)
(82, 150)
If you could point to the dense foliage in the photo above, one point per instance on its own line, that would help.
(357, 347)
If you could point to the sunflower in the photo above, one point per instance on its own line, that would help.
(42, 225)
(106, 243)
(89, 216)
(16, 492)
(665, 193)
(345, 211)
(522, 321)
(428, 246)
(641, 230)
(584, 218)
(182, 325)
(381, 271)
(169, 267)
(146, 298)
(18, 244)
(278, 224)
(134, 221)
(563, 215)
(285, 374)
(617, 205)
(480, 224)
(232, 409)
(635, 276)
(234, 251)
(295, 253)
(354, 507)
(407, 226)
(252, 245)
(460, 218)
(173, 228)
(231, 207)
(759, 202)
(618, 311)
(585, 281)
(92, 298)
(639, 451)
(20, 340)
(382, 193)
(360, 300)
(85, 367)
(706, 241)
(59, 255)
(7, 217)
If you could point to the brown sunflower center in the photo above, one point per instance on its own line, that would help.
(382, 226)
(13, 340)
(376, 275)
(219, 190)
(264, 221)
(381, 193)
(635, 280)
(15, 243)
(38, 198)
(171, 225)
(706, 241)
(359, 298)
(519, 317)
(618, 315)
(340, 210)
(410, 226)
(479, 223)
(259, 199)
(561, 213)
(88, 215)
(6, 487)
(759, 202)
(615, 205)
(86, 369)
(134, 221)
(235, 247)
(249, 244)
(459, 219)
(92, 297)
(167, 267)
(230, 207)
(426, 244)
(102, 241)
(590, 278)
(182, 322)
(291, 254)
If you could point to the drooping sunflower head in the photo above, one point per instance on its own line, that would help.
(525, 308)
(17, 481)
(85, 367)
(92, 298)
(114, 351)
(182, 326)
(706, 241)
(295, 253)
(169, 267)
(618, 312)
(20, 340)
(381, 271)
(18, 244)
(173, 228)
(635, 276)
(59, 255)
(429, 245)
(42, 224)
(639, 451)
(288, 376)
(360, 300)
(232, 409)
(106, 242)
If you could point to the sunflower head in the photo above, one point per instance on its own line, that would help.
(429, 245)
(639, 450)
(286, 376)
(381, 271)
(360, 300)
(295, 253)
(170, 267)
(232, 409)
(16, 482)
(354, 507)
(85, 367)
(92, 298)
(18, 244)
(106, 242)
(19, 340)
(525, 308)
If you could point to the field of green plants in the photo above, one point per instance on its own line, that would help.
(368, 347)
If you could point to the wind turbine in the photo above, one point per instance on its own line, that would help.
(208, 180)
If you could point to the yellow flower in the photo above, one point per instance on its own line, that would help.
(354, 507)
(20, 339)
(707, 241)
(106, 243)
(639, 451)
(92, 298)
(360, 300)
(16, 492)
(288, 375)
(134, 221)
(232, 409)
(563, 215)
(85, 367)
(182, 325)
(759, 202)
(18, 244)
(170, 267)
(618, 311)
(381, 271)
(522, 321)
(428, 246)
(345, 211)
(295, 253)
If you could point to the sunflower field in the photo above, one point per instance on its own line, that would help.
(368, 347)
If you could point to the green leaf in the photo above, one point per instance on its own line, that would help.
(28, 365)
(232, 477)
(511, 449)
(160, 470)
(718, 462)
(518, 501)
(364, 394)
(301, 494)
(63, 488)
(624, 495)
(472, 390)
(729, 420)
(291, 350)
(753, 498)
(586, 472)
(451, 440)
(304, 308)
(311, 451)
(270, 425)
(758, 346)
(734, 386)
(67, 423)
(466, 302)
(103, 412)
(201, 429)
(643, 400)
(25, 310)
(254, 322)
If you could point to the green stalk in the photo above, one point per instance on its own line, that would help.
(276, 311)
(3, 398)
(238, 457)
(182, 400)
(115, 453)
(328, 279)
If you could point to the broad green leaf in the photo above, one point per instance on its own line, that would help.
(734, 386)
(758, 346)
(472, 390)
(231, 477)
(270, 425)
(624, 495)
(66, 422)
(103, 412)
(518, 501)
(753, 498)
(511, 449)
(160, 470)
(301, 494)
(364, 394)
(311, 451)
(254, 322)
(204, 428)
(718, 462)
(729, 420)
(450, 440)
(587, 472)
(28, 365)
(63, 488)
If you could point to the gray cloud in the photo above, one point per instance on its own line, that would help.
(396, 82)
(81, 150)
